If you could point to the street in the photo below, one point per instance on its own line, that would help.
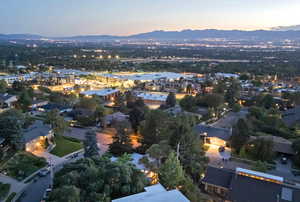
(35, 191)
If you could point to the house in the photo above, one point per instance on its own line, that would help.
(155, 193)
(291, 116)
(118, 116)
(152, 98)
(38, 103)
(106, 93)
(50, 106)
(213, 135)
(243, 185)
(280, 145)
(37, 135)
(7, 101)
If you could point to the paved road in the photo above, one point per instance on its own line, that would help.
(35, 191)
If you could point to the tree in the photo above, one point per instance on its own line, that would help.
(171, 173)
(3, 86)
(11, 123)
(296, 147)
(261, 149)
(98, 179)
(25, 100)
(236, 107)
(152, 128)
(121, 140)
(213, 100)
(67, 193)
(260, 166)
(183, 139)
(233, 93)
(240, 135)
(136, 115)
(56, 121)
(171, 100)
(90, 144)
(188, 103)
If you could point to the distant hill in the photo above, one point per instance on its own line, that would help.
(286, 28)
(20, 37)
(177, 35)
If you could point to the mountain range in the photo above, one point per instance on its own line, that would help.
(279, 33)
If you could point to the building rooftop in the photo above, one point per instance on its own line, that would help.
(146, 76)
(38, 128)
(218, 176)
(222, 133)
(155, 193)
(251, 186)
(102, 92)
(152, 96)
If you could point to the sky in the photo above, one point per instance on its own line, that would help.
(125, 17)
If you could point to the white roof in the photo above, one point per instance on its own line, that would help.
(152, 96)
(260, 174)
(227, 75)
(102, 92)
(155, 193)
(146, 76)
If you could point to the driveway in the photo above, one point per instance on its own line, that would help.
(215, 156)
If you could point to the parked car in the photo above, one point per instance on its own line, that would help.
(43, 172)
(283, 160)
(221, 149)
(46, 194)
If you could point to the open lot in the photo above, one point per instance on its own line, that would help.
(65, 146)
(22, 164)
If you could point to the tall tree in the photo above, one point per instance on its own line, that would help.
(90, 144)
(56, 121)
(171, 174)
(3, 86)
(25, 100)
(240, 135)
(121, 140)
(67, 193)
(11, 123)
(152, 128)
(171, 100)
(136, 115)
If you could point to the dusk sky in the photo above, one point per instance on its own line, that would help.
(124, 17)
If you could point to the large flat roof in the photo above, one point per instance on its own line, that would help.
(155, 193)
(146, 76)
(102, 92)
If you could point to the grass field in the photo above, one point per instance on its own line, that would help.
(23, 164)
(65, 146)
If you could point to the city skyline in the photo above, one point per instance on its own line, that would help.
(116, 17)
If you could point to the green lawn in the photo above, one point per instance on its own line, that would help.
(65, 146)
(23, 164)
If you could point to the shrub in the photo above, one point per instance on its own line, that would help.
(4, 190)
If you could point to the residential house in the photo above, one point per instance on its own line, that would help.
(243, 185)
(155, 193)
(213, 135)
(37, 136)
(281, 146)
(291, 116)
(7, 101)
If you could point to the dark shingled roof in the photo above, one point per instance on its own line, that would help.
(222, 133)
(246, 189)
(218, 176)
(291, 116)
(38, 128)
